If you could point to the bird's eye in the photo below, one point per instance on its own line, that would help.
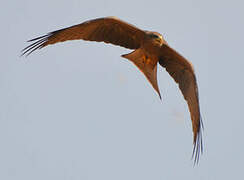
(154, 36)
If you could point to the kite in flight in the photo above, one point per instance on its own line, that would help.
(150, 48)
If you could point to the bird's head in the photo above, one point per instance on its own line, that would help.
(156, 37)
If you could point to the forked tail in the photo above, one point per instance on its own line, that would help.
(146, 65)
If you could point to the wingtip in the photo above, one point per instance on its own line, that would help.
(198, 145)
(38, 43)
(160, 97)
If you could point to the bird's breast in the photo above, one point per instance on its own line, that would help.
(151, 49)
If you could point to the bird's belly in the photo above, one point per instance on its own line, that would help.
(152, 52)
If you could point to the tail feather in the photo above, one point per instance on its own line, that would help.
(146, 65)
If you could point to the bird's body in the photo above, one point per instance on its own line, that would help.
(146, 59)
(149, 49)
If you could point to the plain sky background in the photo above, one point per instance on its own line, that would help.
(78, 111)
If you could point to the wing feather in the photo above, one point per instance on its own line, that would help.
(183, 73)
(108, 30)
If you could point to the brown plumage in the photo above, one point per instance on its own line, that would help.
(149, 49)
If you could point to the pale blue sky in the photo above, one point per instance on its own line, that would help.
(77, 110)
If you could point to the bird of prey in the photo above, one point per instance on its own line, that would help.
(150, 48)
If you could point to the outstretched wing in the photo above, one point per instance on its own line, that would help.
(183, 73)
(109, 30)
